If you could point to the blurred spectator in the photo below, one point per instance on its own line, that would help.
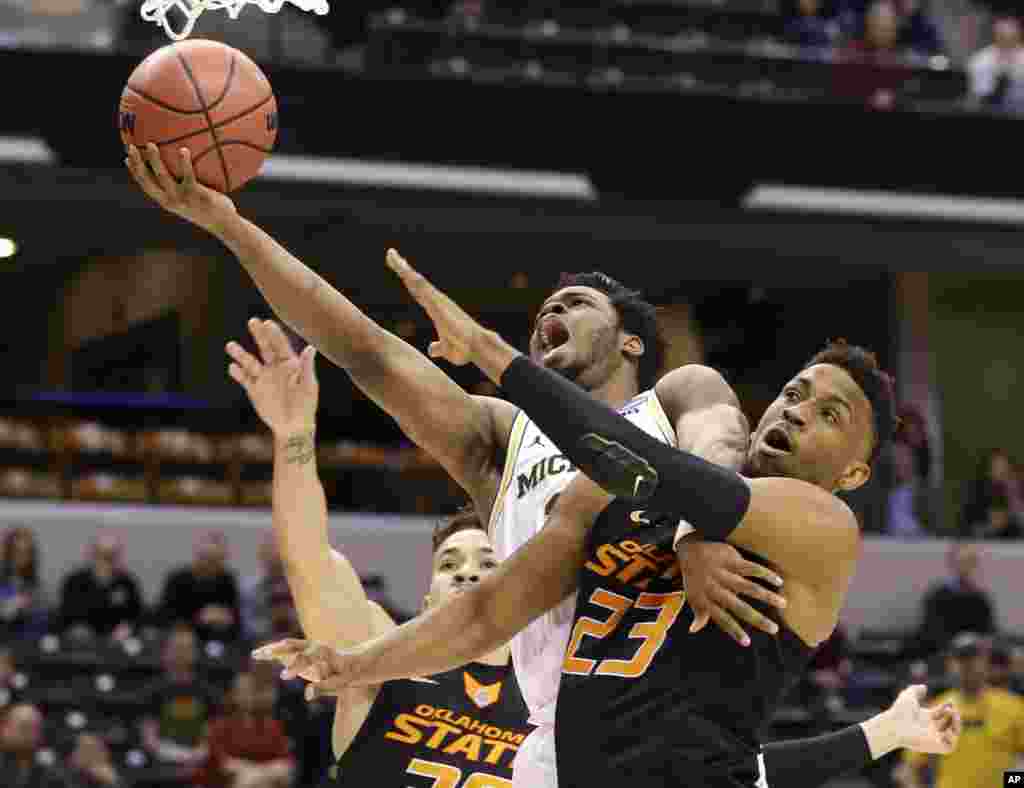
(997, 72)
(915, 30)
(868, 67)
(308, 725)
(1001, 523)
(179, 706)
(956, 605)
(880, 35)
(22, 599)
(205, 593)
(101, 599)
(810, 27)
(997, 481)
(918, 32)
(283, 617)
(20, 742)
(90, 764)
(12, 683)
(993, 726)
(914, 432)
(909, 510)
(259, 590)
(248, 747)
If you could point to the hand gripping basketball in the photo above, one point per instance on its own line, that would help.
(186, 198)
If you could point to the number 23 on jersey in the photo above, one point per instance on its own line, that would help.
(650, 634)
(445, 776)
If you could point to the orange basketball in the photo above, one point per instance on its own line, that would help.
(207, 97)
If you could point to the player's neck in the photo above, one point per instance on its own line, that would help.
(498, 657)
(617, 391)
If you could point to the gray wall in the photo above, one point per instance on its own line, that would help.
(885, 593)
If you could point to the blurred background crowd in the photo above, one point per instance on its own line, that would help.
(137, 568)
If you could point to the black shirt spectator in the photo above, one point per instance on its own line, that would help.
(101, 598)
(205, 594)
(956, 605)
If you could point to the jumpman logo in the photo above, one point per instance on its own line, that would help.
(538, 441)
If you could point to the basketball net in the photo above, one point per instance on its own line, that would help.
(156, 10)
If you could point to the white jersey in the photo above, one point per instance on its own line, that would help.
(535, 473)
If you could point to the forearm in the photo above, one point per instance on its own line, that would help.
(329, 598)
(806, 763)
(441, 639)
(430, 408)
(298, 502)
(533, 580)
(302, 298)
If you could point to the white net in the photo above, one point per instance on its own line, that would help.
(157, 10)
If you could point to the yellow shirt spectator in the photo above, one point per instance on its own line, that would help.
(992, 740)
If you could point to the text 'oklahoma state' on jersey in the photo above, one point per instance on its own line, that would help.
(644, 703)
(459, 729)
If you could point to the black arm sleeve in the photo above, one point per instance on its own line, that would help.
(807, 763)
(622, 458)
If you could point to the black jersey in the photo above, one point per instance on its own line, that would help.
(644, 703)
(459, 729)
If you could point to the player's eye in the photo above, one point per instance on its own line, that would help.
(831, 417)
(791, 395)
(447, 566)
(489, 564)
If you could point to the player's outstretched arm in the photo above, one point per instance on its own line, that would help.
(461, 431)
(907, 724)
(536, 578)
(282, 386)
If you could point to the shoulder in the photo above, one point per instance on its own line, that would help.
(501, 415)
(808, 503)
(693, 387)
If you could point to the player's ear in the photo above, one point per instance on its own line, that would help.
(856, 475)
(632, 346)
(428, 600)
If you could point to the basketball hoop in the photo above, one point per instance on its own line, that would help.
(156, 10)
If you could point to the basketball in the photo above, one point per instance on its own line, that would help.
(208, 97)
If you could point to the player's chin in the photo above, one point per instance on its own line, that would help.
(768, 462)
(556, 358)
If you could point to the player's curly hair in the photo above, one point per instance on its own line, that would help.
(636, 315)
(878, 386)
(465, 519)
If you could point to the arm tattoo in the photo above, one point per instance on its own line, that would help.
(300, 449)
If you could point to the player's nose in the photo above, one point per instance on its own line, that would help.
(462, 578)
(793, 416)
